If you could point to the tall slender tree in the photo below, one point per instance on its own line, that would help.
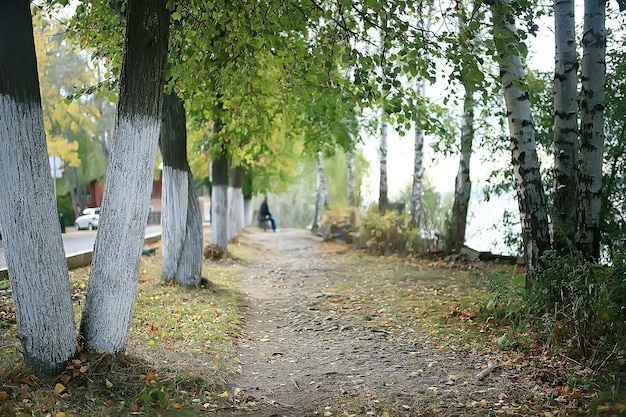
(530, 193)
(463, 184)
(106, 318)
(181, 221)
(28, 214)
(565, 126)
(592, 129)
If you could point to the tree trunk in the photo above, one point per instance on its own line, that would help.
(592, 129)
(321, 201)
(382, 196)
(247, 197)
(463, 184)
(530, 192)
(383, 201)
(28, 213)
(219, 201)
(235, 201)
(351, 182)
(181, 221)
(112, 285)
(565, 126)
(418, 167)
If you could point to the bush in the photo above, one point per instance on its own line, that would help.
(389, 233)
(576, 307)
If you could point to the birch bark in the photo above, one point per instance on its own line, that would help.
(565, 125)
(463, 184)
(530, 193)
(592, 129)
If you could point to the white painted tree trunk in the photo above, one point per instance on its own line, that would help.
(247, 211)
(530, 193)
(565, 125)
(592, 129)
(219, 216)
(181, 225)
(235, 202)
(219, 200)
(181, 221)
(109, 303)
(28, 213)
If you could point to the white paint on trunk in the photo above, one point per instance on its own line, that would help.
(173, 219)
(219, 216)
(235, 211)
(189, 272)
(117, 252)
(32, 238)
(247, 212)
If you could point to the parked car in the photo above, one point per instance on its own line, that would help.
(88, 220)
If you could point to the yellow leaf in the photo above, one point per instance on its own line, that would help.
(59, 388)
(61, 414)
(223, 394)
(109, 383)
(177, 405)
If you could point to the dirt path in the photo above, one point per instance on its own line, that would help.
(301, 357)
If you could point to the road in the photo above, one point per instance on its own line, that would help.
(79, 241)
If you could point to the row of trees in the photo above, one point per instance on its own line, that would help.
(255, 79)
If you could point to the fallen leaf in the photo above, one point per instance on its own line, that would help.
(223, 394)
(59, 388)
(4, 396)
(109, 383)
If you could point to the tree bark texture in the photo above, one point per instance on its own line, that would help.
(530, 193)
(28, 213)
(565, 126)
(463, 184)
(383, 201)
(235, 201)
(418, 167)
(351, 181)
(321, 201)
(181, 221)
(112, 284)
(592, 129)
(219, 202)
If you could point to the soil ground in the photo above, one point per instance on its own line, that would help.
(308, 349)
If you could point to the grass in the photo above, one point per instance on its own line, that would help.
(181, 349)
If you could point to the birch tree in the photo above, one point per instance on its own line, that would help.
(417, 189)
(109, 303)
(565, 125)
(530, 193)
(321, 199)
(592, 129)
(30, 227)
(181, 221)
(463, 184)
(351, 181)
